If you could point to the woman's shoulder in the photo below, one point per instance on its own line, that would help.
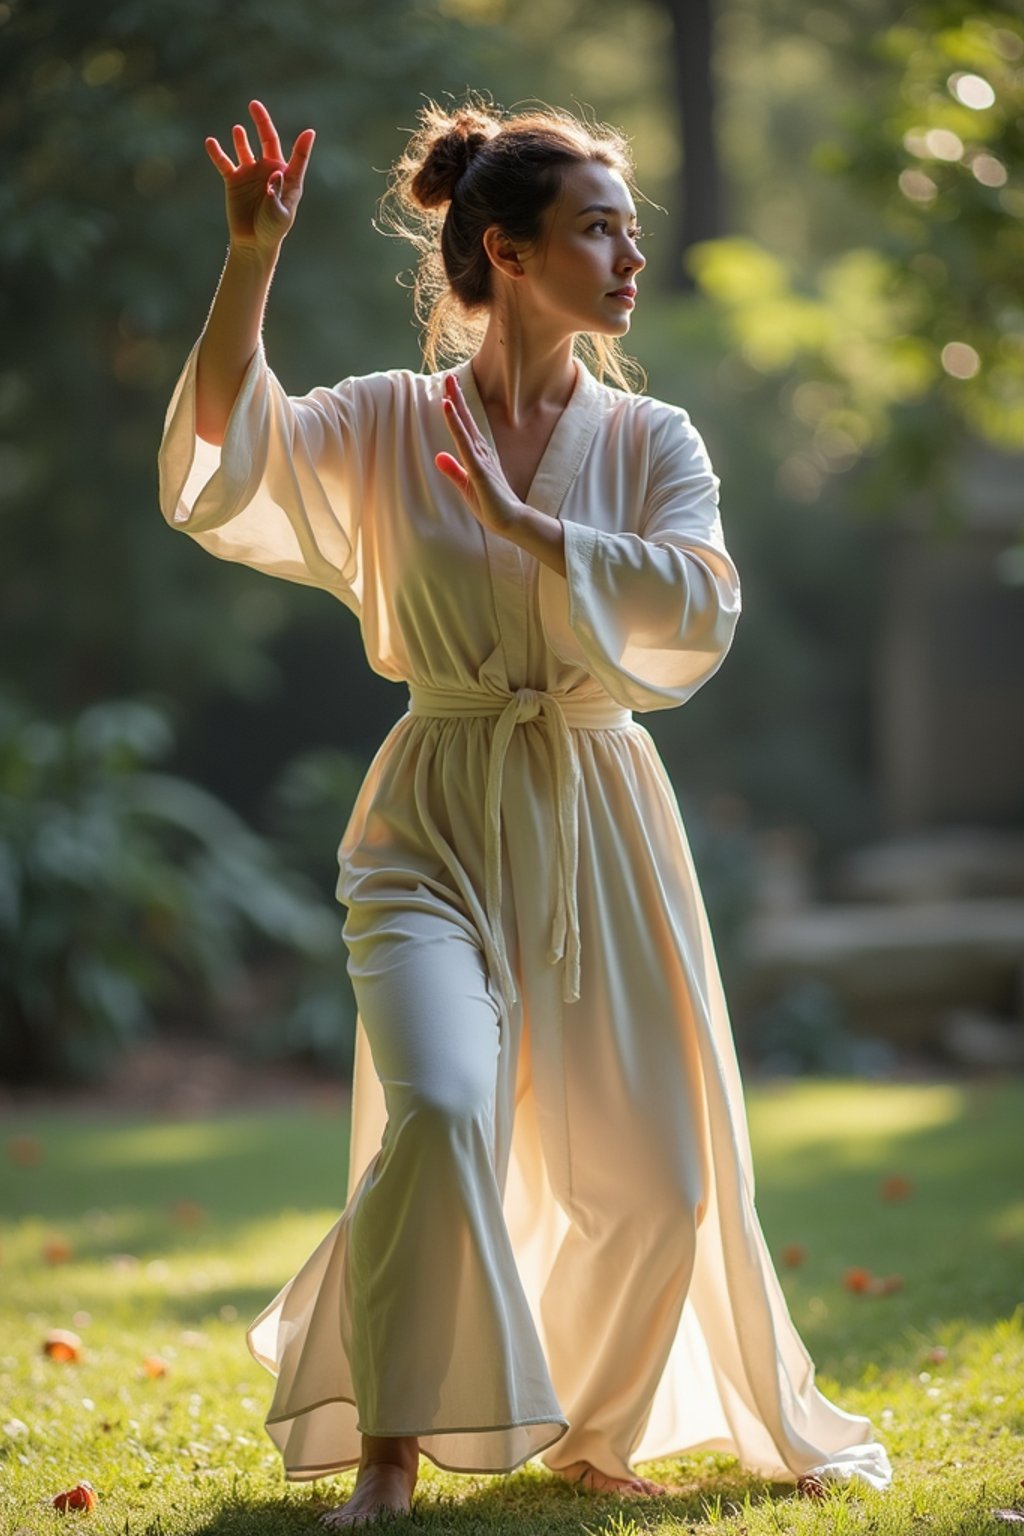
(645, 413)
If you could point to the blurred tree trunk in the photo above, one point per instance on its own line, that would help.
(699, 218)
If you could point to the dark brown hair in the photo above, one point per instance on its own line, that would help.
(475, 166)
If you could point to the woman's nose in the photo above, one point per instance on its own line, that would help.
(634, 260)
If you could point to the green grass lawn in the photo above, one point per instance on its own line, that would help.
(180, 1232)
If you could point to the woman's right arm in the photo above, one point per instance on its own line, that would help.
(251, 473)
(261, 196)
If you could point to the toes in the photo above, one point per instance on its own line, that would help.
(583, 1475)
(656, 1489)
(335, 1519)
(363, 1517)
(645, 1486)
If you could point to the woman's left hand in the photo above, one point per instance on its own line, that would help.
(477, 471)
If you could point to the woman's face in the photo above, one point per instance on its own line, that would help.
(587, 254)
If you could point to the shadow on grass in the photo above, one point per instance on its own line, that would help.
(522, 1502)
(239, 1168)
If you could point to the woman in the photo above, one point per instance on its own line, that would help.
(550, 1243)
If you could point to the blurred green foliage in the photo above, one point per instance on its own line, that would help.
(308, 804)
(804, 1032)
(129, 895)
(898, 350)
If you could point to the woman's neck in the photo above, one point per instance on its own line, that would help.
(520, 375)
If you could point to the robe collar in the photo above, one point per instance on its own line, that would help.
(572, 436)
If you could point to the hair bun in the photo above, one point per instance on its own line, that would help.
(457, 139)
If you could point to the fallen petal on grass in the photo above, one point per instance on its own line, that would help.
(857, 1279)
(62, 1344)
(895, 1186)
(57, 1250)
(81, 1496)
(155, 1365)
(793, 1255)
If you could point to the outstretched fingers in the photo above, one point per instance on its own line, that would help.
(288, 177)
(449, 465)
(463, 434)
(269, 141)
(242, 147)
(223, 162)
(461, 412)
(302, 148)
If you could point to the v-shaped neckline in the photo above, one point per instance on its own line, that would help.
(558, 463)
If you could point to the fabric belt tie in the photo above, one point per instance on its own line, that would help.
(556, 713)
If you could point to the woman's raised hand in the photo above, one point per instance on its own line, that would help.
(477, 470)
(261, 195)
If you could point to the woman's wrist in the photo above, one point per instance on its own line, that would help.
(541, 536)
(253, 256)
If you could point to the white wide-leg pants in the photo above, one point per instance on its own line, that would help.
(438, 1315)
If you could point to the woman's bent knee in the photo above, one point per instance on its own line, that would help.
(454, 1102)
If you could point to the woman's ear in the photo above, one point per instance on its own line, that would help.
(501, 253)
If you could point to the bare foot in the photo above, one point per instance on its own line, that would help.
(582, 1475)
(382, 1486)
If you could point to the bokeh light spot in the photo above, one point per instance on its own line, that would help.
(960, 360)
(989, 171)
(917, 186)
(944, 144)
(972, 91)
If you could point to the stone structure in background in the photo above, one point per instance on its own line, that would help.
(949, 681)
(918, 941)
(920, 944)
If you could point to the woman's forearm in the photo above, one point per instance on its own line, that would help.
(230, 337)
(542, 536)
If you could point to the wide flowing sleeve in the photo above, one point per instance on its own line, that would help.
(650, 614)
(284, 491)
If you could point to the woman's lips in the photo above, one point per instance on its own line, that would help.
(627, 295)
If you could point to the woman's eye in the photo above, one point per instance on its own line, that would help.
(602, 225)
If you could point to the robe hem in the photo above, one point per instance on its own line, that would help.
(782, 1476)
(306, 1474)
(775, 1474)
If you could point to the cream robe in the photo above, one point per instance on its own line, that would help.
(522, 689)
